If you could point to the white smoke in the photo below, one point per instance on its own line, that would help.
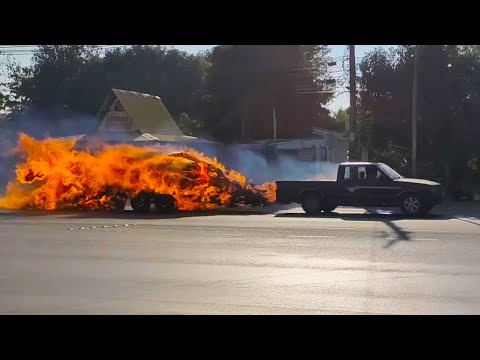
(259, 169)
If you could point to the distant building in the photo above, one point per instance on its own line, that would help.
(322, 146)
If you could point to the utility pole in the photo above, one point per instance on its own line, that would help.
(352, 148)
(274, 127)
(274, 133)
(414, 112)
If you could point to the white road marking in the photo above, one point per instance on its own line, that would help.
(347, 228)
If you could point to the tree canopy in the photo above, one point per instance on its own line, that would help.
(245, 82)
(448, 103)
(227, 93)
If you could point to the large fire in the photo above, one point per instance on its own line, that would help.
(54, 175)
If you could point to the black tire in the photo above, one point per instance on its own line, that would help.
(329, 208)
(165, 203)
(311, 203)
(118, 203)
(414, 205)
(140, 203)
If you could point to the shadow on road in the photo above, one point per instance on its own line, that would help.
(369, 216)
(127, 214)
(399, 234)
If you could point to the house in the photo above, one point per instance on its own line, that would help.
(142, 119)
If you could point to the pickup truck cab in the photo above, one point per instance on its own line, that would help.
(362, 184)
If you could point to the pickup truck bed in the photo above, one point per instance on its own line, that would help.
(291, 191)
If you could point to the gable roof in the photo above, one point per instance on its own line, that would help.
(148, 113)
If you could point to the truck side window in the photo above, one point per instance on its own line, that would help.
(375, 174)
(362, 173)
(372, 173)
(346, 175)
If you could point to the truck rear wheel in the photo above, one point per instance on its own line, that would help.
(140, 203)
(311, 203)
(329, 207)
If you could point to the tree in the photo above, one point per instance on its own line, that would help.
(209, 94)
(245, 82)
(64, 80)
(342, 116)
(48, 81)
(448, 103)
(2, 101)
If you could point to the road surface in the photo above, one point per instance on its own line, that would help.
(350, 262)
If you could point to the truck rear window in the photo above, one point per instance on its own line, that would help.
(347, 175)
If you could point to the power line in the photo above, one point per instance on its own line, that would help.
(16, 50)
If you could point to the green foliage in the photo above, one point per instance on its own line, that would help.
(189, 127)
(245, 82)
(2, 101)
(77, 78)
(394, 156)
(341, 116)
(474, 165)
(219, 89)
(448, 102)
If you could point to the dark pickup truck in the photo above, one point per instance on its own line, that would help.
(362, 184)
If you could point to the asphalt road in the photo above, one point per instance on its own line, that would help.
(240, 263)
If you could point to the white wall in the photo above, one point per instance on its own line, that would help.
(116, 121)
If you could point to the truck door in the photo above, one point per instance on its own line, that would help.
(347, 185)
(374, 188)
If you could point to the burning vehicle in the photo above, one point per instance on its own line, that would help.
(55, 175)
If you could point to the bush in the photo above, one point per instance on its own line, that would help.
(394, 156)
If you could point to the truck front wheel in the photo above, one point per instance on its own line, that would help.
(311, 203)
(414, 205)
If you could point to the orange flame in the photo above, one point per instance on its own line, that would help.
(56, 176)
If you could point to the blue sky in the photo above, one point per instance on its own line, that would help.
(340, 101)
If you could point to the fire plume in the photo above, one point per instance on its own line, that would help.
(54, 175)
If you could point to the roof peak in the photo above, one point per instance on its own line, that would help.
(115, 91)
